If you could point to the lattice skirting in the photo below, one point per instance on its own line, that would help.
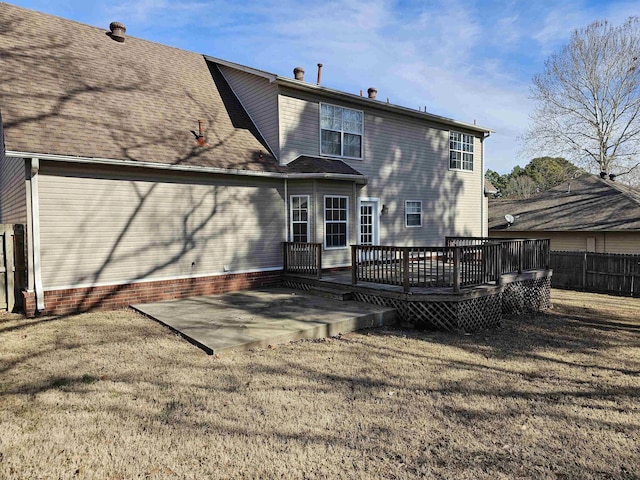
(527, 296)
(296, 285)
(469, 315)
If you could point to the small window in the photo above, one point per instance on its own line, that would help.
(340, 131)
(460, 151)
(413, 213)
(336, 222)
(299, 215)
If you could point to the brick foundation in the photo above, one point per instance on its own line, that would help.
(110, 297)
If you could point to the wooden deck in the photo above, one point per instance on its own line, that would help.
(456, 287)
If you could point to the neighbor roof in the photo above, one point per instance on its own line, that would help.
(69, 89)
(586, 203)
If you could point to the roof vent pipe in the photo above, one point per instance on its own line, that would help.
(319, 73)
(372, 91)
(612, 177)
(603, 175)
(118, 31)
(298, 73)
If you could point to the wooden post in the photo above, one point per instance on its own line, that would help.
(520, 255)
(499, 264)
(354, 264)
(10, 267)
(456, 269)
(285, 265)
(405, 269)
(319, 260)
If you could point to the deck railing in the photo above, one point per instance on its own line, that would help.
(464, 262)
(302, 258)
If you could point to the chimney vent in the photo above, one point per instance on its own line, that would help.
(319, 73)
(118, 31)
(298, 73)
(612, 177)
(372, 91)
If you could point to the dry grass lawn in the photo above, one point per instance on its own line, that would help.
(117, 396)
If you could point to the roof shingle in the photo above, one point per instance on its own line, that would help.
(586, 203)
(69, 89)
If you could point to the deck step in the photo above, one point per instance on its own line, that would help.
(332, 292)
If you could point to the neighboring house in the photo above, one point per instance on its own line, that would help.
(123, 203)
(587, 214)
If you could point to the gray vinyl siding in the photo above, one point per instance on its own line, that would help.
(606, 242)
(260, 100)
(102, 226)
(317, 190)
(404, 159)
(299, 118)
(13, 191)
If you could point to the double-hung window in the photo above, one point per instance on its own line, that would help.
(340, 131)
(335, 222)
(460, 151)
(413, 213)
(299, 215)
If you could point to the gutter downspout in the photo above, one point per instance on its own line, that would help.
(483, 196)
(286, 212)
(35, 228)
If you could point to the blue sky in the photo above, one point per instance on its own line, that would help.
(468, 60)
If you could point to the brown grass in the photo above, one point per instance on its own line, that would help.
(115, 395)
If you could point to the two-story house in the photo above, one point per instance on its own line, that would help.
(142, 171)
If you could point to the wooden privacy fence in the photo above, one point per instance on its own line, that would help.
(12, 265)
(611, 273)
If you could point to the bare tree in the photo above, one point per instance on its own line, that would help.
(588, 99)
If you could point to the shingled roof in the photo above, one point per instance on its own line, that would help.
(586, 203)
(69, 89)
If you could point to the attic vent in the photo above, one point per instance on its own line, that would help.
(298, 73)
(118, 31)
(372, 92)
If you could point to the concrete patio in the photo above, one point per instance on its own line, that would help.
(259, 318)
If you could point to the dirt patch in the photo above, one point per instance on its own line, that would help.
(115, 395)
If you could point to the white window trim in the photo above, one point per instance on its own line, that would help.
(342, 143)
(376, 217)
(324, 208)
(406, 213)
(473, 162)
(291, 216)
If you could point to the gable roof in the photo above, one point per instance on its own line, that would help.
(340, 95)
(69, 89)
(586, 203)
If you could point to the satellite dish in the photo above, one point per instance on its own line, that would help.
(509, 218)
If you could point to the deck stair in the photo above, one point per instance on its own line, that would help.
(332, 291)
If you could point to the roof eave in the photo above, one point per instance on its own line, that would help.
(243, 68)
(139, 164)
(359, 179)
(310, 87)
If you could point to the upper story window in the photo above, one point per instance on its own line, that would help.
(460, 151)
(340, 131)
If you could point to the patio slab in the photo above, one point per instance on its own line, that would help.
(259, 318)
